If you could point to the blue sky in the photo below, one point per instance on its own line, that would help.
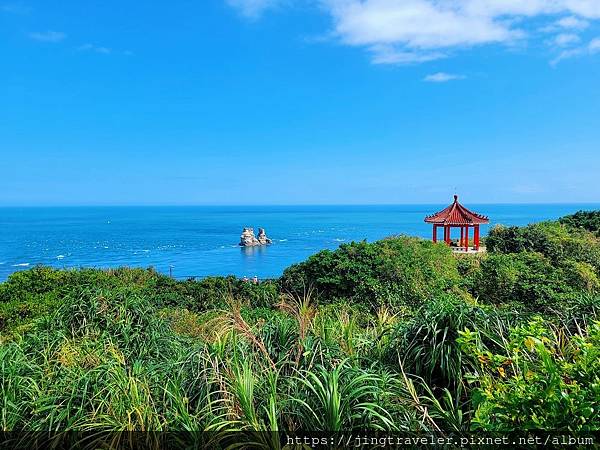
(299, 101)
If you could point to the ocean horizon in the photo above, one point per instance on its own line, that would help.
(200, 241)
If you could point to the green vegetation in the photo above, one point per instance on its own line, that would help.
(396, 272)
(398, 335)
(587, 220)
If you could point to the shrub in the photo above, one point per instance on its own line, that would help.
(580, 276)
(468, 268)
(586, 220)
(396, 272)
(543, 380)
(427, 345)
(211, 292)
(534, 237)
(124, 315)
(31, 294)
(552, 239)
(18, 315)
(528, 278)
(23, 284)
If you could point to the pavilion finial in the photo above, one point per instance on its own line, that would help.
(455, 197)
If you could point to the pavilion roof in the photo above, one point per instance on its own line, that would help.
(456, 214)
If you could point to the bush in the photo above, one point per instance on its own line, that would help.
(17, 316)
(396, 272)
(577, 314)
(586, 220)
(31, 294)
(543, 380)
(469, 267)
(38, 280)
(580, 276)
(211, 292)
(528, 278)
(427, 346)
(124, 315)
(541, 266)
(552, 239)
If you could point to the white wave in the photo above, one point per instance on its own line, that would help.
(60, 256)
(166, 247)
(339, 240)
(21, 265)
(283, 240)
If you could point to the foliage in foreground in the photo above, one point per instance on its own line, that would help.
(543, 379)
(396, 335)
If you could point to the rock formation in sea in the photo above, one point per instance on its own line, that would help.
(262, 237)
(248, 239)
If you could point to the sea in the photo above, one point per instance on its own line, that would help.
(200, 241)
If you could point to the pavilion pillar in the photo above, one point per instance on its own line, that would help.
(476, 237)
(467, 238)
(462, 237)
(447, 234)
(434, 233)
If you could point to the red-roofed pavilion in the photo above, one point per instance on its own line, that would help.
(457, 216)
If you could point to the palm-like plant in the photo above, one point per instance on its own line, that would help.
(341, 398)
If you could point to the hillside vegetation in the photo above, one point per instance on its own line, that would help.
(394, 335)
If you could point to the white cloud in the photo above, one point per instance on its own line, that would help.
(566, 54)
(252, 8)
(422, 30)
(594, 45)
(411, 31)
(48, 36)
(586, 8)
(573, 22)
(388, 54)
(417, 24)
(566, 39)
(95, 49)
(591, 48)
(442, 77)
